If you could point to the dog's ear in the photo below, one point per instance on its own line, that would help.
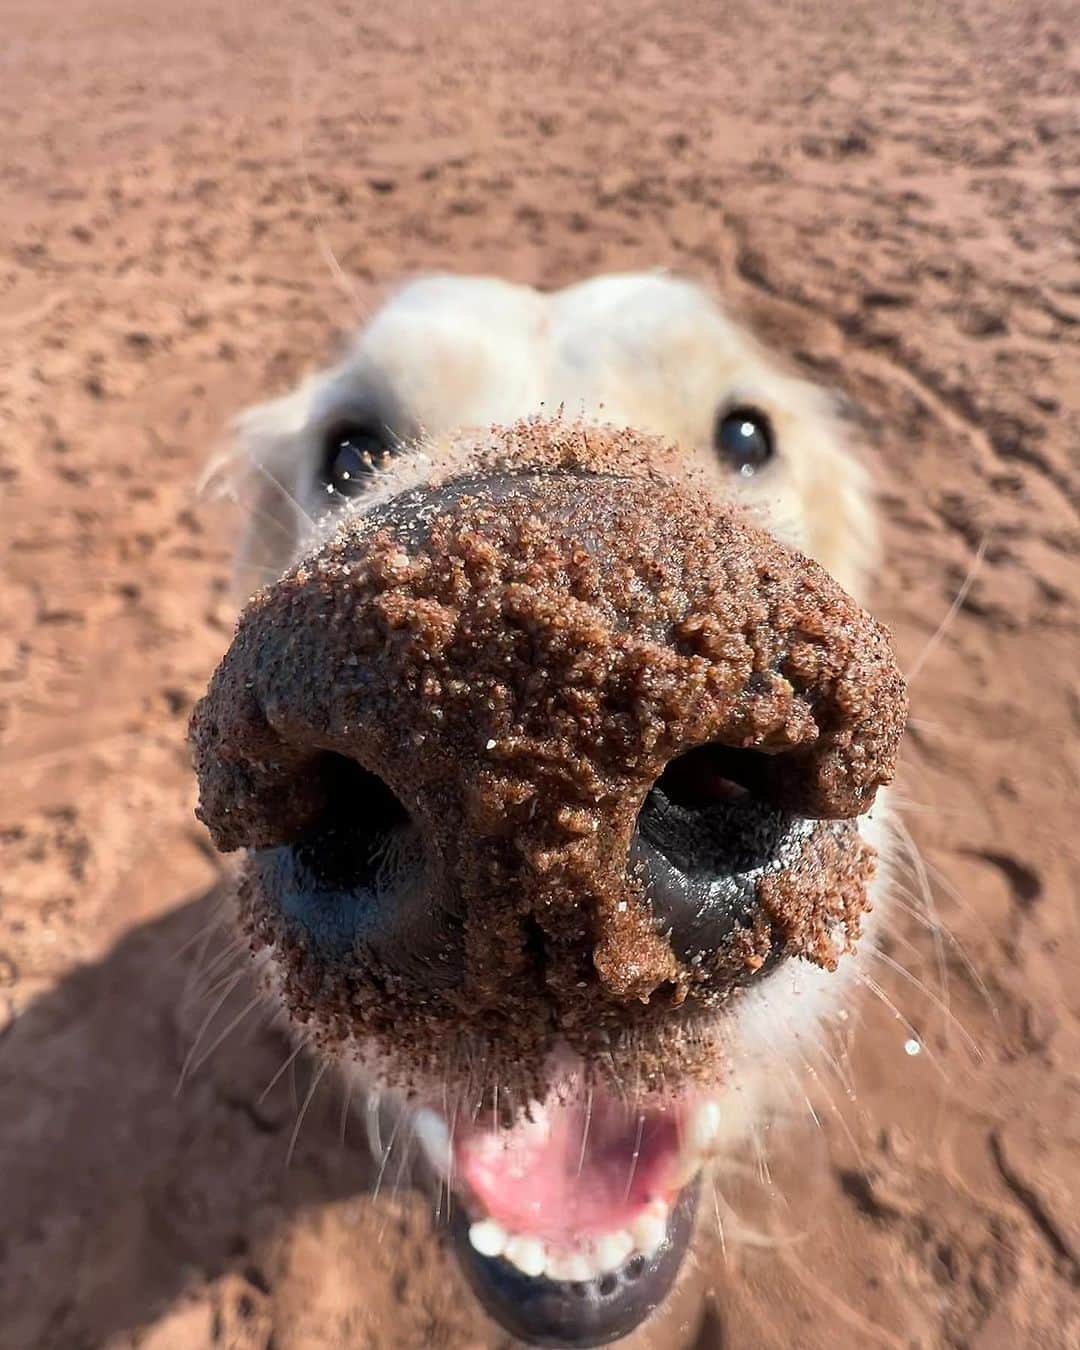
(266, 470)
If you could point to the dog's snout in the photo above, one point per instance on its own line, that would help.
(534, 746)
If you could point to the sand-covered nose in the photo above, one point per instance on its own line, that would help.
(517, 652)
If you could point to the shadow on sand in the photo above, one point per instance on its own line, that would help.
(118, 1190)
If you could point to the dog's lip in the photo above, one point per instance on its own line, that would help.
(553, 1311)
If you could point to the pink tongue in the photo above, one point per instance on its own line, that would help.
(537, 1179)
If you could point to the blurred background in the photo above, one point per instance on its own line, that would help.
(198, 201)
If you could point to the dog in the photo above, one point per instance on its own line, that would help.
(554, 743)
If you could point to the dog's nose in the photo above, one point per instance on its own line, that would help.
(530, 752)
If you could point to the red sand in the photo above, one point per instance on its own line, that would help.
(889, 192)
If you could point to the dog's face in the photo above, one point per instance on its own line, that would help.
(553, 756)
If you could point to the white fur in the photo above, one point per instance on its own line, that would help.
(642, 350)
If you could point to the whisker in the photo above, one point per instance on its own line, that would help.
(287, 1064)
(845, 1125)
(404, 1154)
(908, 807)
(585, 1130)
(264, 515)
(202, 934)
(199, 968)
(244, 1012)
(847, 1314)
(232, 950)
(764, 1175)
(869, 983)
(920, 985)
(719, 1219)
(203, 1030)
(634, 1156)
(316, 1077)
(928, 896)
(235, 959)
(386, 1156)
(453, 1119)
(946, 885)
(403, 1157)
(953, 610)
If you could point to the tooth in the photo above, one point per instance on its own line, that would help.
(703, 1127)
(613, 1249)
(560, 1266)
(373, 1125)
(649, 1230)
(487, 1237)
(434, 1138)
(574, 1267)
(527, 1254)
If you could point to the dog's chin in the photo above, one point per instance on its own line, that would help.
(571, 1219)
(544, 1310)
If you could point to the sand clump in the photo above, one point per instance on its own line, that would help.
(518, 656)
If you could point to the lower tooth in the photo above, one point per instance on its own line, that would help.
(561, 1266)
(703, 1127)
(577, 1268)
(613, 1249)
(648, 1231)
(434, 1138)
(527, 1254)
(487, 1238)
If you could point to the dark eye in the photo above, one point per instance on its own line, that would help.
(352, 454)
(744, 438)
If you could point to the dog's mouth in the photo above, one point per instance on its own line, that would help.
(571, 1222)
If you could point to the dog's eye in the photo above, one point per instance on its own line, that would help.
(744, 438)
(352, 454)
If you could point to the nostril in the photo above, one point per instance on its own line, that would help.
(363, 832)
(354, 871)
(712, 773)
(706, 835)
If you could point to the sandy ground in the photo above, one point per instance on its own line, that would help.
(195, 206)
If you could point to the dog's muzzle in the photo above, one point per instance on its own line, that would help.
(544, 764)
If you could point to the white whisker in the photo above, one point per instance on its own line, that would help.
(953, 610)
(386, 1156)
(585, 1130)
(634, 1156)
(230, 1026)
(320, 1069)
(203, 1030)
(870, 983)
(286, 1064)
(914, 980)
